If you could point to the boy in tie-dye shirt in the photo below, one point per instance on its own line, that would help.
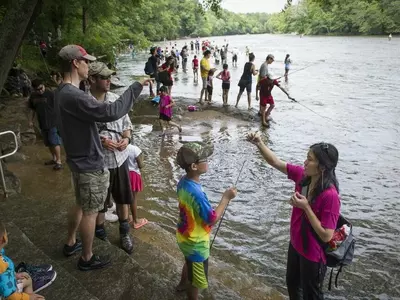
(196, 218)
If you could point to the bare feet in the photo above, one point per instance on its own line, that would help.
(139, 223)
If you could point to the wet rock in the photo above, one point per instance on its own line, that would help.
(28, 137)
(13, 184)
(2, 106)
(16, 157)
(178, 117)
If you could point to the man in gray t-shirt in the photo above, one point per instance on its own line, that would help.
(76, 115)
(264, 72)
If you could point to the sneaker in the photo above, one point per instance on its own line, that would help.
(101, 234)
(42, 280)
(31, 269)
(126, 243)
(110, 217)
(71, 250)
(96, 262)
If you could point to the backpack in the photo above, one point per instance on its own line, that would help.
(148, 68)
(343, 255)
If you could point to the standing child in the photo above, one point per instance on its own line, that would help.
(196, 218)
(135, 163)
(166, 104)
(195, 66)
(210, 85)
(225, 76)
(266, 85)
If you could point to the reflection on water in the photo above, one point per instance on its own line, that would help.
(352, 80)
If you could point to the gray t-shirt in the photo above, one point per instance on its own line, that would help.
(263, 70)
(77, 113)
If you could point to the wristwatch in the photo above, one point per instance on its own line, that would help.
(129, 139)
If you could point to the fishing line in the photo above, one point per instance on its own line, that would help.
(223, 214)
(298, 70)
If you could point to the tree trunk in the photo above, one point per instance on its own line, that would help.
(84, 19)
(12, 31)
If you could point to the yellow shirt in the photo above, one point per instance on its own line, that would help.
(204, 67)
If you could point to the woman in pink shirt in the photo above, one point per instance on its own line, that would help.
(316, 210)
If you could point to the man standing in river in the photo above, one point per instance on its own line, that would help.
(77, 114)
(204, 69)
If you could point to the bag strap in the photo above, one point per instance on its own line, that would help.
(103, 127)
(337, 275)
(330, 281)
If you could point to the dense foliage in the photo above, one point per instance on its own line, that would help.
(100, 25)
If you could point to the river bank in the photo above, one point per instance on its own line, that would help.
(39, 212)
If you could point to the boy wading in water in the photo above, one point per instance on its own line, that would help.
(265, 86)
(196, 218)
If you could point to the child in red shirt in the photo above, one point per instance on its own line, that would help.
(265, 86)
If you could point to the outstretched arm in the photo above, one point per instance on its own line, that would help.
(287, 94)
(268, 155)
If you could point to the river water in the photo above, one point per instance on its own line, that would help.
(354, 82)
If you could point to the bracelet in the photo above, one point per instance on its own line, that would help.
(129, 139)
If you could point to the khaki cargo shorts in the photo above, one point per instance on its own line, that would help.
(91, 190)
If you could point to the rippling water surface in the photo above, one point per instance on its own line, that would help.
(354, 81)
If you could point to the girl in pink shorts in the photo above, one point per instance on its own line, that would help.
(135, 163)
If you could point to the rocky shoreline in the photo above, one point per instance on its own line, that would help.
(156, 259)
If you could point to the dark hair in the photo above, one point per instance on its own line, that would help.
(327, 156)
(65, 65)
(195, 56)
(251, 56)
(211, 72)
(153, 49)
(36, 83)
(163, 89)
(225, 66)
(207, 52)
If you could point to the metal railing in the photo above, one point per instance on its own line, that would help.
(3, 180)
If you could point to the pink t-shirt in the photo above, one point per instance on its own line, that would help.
(164, 101)
(327, 209)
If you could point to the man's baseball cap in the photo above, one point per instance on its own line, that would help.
(71, 52)
(270, 56)
(191, 153)
(100, 68)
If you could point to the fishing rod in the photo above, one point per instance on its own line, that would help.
(298, 70)
(223, 214)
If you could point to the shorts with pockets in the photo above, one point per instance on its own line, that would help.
(91, 190)
(51, 137)
(204, 79)
(198, 273)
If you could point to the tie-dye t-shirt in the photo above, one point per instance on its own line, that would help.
(195, 218)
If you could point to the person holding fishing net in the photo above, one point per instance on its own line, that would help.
(196, 218)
